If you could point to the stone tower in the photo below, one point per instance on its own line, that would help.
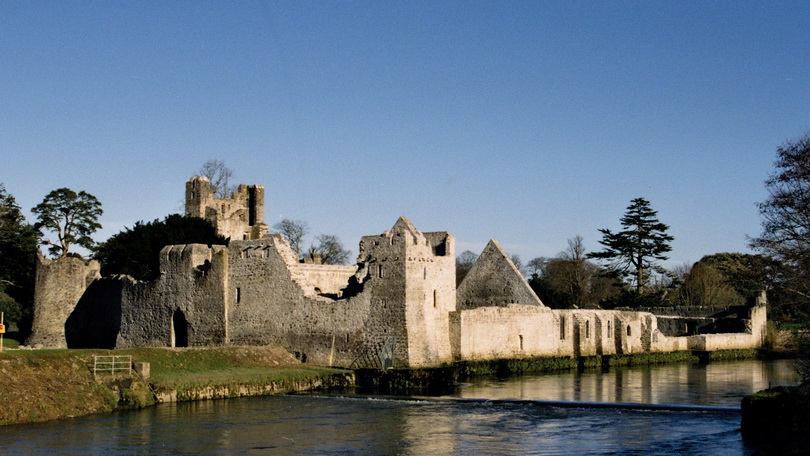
(412, 278)
(60, 283)
(239, 217)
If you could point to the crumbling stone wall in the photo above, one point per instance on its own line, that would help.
(60, 284)
(397, 307)
(326, 279)
(186, 306)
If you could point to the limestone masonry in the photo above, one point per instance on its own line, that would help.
(398, 306)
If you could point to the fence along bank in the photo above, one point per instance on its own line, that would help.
(397, 306)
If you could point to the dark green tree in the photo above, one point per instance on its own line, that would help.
(136, 251)
(747, 273)
(18, 247)
(72, 216)
(633, 251)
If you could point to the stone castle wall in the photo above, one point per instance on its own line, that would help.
(518, 331)
(398, 306)
(186, 306)
(60, 284)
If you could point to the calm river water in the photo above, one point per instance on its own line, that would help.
(312, 424)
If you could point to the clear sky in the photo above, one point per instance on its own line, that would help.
(529, 122)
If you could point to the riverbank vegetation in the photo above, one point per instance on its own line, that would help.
(45, 385)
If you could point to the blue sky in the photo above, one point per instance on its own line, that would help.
(528, 122)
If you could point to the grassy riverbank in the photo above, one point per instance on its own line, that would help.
(44, 385)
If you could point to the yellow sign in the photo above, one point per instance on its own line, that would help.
(2, 328)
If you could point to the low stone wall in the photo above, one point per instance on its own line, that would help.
(327, 278)
(518, 331)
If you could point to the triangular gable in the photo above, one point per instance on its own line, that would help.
(494, 280)
(403, 224)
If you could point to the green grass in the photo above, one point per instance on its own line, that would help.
(41, 385)
(227, 366)
(8, 342)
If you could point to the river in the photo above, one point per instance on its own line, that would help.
(457, 424)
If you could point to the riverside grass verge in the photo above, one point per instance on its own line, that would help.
(42, 385)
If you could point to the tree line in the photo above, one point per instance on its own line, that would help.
(626, 272)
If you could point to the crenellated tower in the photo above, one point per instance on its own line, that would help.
(239, 217)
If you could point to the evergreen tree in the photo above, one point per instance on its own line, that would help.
(72, 216)
(18, 247)
(136, 251)
(634, 250)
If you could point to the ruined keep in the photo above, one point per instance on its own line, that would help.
(397, 306)
(239, 217)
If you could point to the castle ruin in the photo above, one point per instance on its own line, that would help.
(397, 307)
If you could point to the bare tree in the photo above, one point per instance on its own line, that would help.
(329, 248)
(219, 177)
(534, 268)
(578, 271)
(517, 262)
(464, 263)
(294, 231)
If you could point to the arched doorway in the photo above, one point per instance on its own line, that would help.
(179, 329)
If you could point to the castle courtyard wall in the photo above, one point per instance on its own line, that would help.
(522, 331)
(187, 302)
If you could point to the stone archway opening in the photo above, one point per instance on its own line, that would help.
(179, 329)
